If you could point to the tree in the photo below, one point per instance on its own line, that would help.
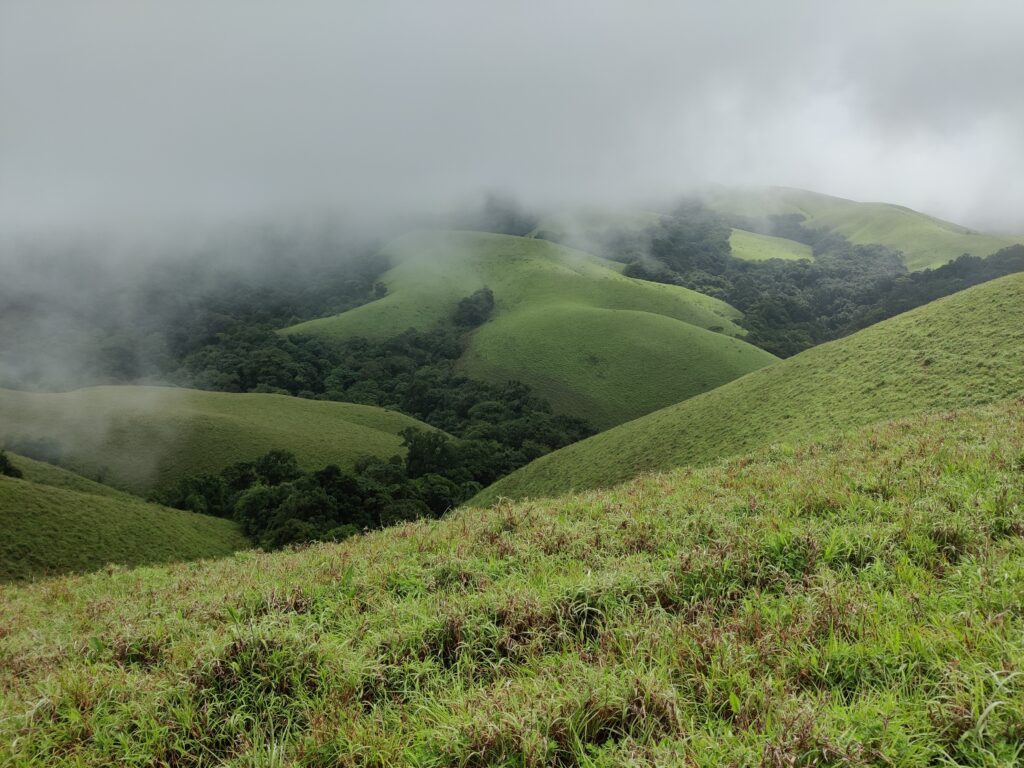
(8, 468)
(427, 452)
(276, 467)
(475, 309)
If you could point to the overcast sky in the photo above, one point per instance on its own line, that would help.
(119, 112)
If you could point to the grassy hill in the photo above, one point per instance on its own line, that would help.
(597, 344)
(138, 438)
(849, 603)
(54, 523)
(41, 473)
(924, 240)
(754, 247)
(962, 350)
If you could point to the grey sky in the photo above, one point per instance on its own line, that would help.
(118, 112)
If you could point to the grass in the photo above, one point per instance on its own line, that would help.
(631, 361)
(560, 315)
(69, 525)
(854, 602)
(751, 246)
(965, 349)
(924, 240)
(138, 438)
(41, 473)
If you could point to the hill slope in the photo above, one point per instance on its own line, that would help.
(924, 240)
(138, 438)
(599, 345)
(49, 529)
(751, 246)
(855, 603)
(962, 350)
(41, 473)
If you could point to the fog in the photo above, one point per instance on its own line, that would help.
(121, 114)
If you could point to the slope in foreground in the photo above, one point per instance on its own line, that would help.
(855, 603)
(965, 349)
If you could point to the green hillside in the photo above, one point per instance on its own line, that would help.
(41, 473)
(751, 246)
(963, 350)
(601, 346)
(50, 529)
(924, 240)
(138, 438)
(850, 603)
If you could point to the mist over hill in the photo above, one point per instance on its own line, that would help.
(466, 384)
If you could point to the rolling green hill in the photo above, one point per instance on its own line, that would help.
(751, 246)
(599, 345)
(61, 524)
(849, 603)
(962, 350)
(139, 438)
(41, 473)
(924, 240)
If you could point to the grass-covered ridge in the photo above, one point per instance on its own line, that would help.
(855, 602)
(924, 240)
(596, 344)
(59, 524)
(139, 438)
(965, 349)
(752, 246)
(41, 473)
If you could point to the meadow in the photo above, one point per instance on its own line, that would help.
(848, 602)
(55, 523)
(140, 438)
(966, 349)
(752, 246)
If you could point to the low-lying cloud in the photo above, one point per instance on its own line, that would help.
(117, 113)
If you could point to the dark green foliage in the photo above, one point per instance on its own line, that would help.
(499, 428)
(6, 467)
(277, 504)
(413, 372)
(427, 452)
(475, 309)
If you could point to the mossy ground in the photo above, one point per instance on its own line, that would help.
(849, 602)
